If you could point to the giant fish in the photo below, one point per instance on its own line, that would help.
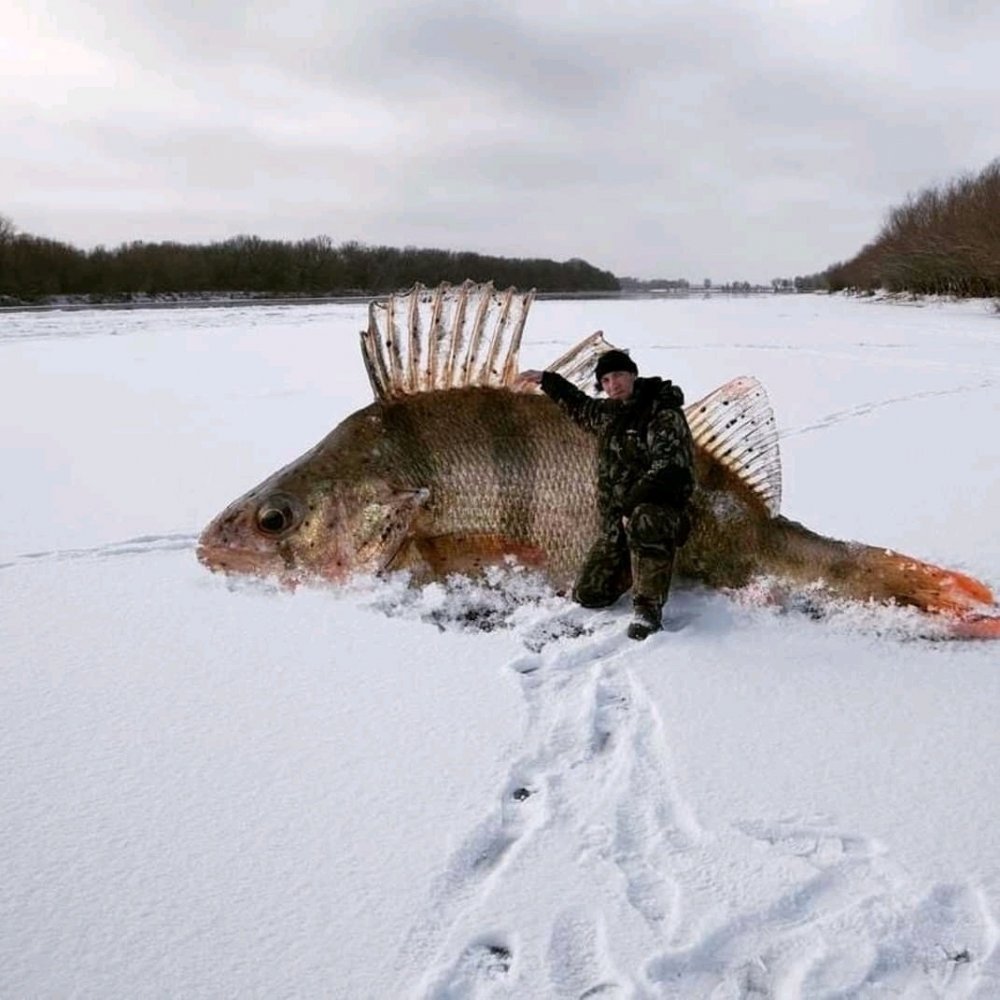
(456, 466)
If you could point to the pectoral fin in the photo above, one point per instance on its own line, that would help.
(386, 526)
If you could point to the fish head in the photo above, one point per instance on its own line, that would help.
(321, 516)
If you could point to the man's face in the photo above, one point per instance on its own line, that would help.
(618, 385)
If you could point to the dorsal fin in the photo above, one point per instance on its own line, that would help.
(454, 337)
(735, 425)
(578, 363)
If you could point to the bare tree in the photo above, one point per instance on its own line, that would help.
(944, 240)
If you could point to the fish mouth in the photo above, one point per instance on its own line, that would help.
(232, 543)
(226, 559)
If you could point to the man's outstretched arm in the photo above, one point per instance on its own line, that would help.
(589, 413)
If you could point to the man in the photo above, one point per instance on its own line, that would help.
(645, 479)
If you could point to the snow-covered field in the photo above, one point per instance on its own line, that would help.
(213, 789)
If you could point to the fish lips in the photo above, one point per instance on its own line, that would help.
(233, 544)
(220, 557)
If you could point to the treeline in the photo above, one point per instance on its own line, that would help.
(630, 284)
(35, 269)
(943, 241)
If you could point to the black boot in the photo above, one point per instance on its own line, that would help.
(646, 619)
(650, 585)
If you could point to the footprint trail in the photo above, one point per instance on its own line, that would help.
(590, 876)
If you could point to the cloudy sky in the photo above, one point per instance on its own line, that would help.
(722, 139)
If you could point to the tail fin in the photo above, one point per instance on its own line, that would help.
(968, 604)
(918, 584)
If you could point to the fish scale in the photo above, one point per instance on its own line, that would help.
(525, 479)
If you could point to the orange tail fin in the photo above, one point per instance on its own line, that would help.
(968, 603)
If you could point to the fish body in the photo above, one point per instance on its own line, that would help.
(433, 484)
(436, 480)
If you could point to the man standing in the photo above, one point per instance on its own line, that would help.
(645, 479)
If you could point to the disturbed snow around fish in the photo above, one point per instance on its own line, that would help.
(477, 790)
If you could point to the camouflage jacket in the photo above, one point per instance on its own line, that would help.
(644, 449)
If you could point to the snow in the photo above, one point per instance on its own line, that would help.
(216, 788)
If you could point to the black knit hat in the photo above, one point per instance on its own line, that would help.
(614, 361)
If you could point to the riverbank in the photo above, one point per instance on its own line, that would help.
(75, 303)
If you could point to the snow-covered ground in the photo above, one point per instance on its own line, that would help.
(213, 789)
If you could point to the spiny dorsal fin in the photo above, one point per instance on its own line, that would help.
(469, 335)
(735, 425)
(578, 363)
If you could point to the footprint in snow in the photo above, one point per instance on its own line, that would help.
(845, 921)
(482, 970)
(521, 810)
(820, 845)
(579, 961)
(611, 707)
(575, 623)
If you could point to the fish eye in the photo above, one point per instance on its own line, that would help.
(276, 515)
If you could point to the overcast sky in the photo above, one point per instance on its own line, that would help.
(737, 141)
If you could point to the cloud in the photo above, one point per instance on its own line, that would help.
(673, 140)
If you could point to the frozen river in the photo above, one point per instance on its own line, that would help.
(214, 790)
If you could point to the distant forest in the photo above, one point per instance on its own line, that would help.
(35, 269)
(943, 241)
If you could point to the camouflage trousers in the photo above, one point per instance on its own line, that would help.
(639, 555)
